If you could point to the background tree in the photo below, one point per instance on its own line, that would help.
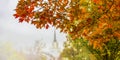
(37, 52)
(7, 52)
(80, 50)
(77, 50)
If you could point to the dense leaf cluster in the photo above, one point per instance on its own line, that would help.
(98, 21)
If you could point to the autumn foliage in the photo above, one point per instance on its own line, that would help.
(98, 21)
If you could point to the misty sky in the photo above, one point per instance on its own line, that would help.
(22, 35)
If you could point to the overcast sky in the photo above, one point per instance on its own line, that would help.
(22, 35)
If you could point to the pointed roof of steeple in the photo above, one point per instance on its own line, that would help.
(55, 43)
(55, 40)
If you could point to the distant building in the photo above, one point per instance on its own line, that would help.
(37, 53)
(55, 50)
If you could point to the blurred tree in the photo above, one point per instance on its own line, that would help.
(80, 50)
(7, 52)
(37, 53)
(77, 50)
(16, 56)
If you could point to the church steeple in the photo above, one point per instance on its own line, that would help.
(55, 36)
(55, 43)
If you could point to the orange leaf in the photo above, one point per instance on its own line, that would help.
(27, 20)
(96, 1)
(95, 44)
(35, 22)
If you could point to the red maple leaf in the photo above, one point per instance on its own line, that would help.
(21, 19)
(47, 26)
(16, 15)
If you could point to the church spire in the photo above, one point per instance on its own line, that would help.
(55, 43)
(55, 40)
